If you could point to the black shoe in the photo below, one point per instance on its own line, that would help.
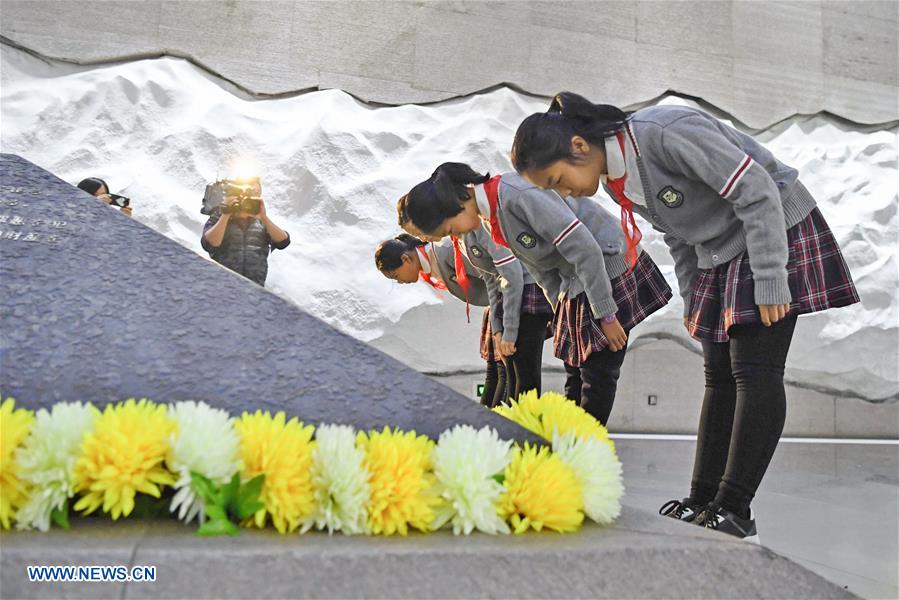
(683, 510)
(719, 519)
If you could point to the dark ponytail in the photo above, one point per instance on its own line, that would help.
(389, 253)
(544, 138)
(439, 197)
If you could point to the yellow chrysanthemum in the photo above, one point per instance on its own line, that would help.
(14, 427)
(122, 456)
(541, 491)
(402, 482)
(553, 413)
(282, 451)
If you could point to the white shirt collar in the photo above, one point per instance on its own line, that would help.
(615, 161)
(435, 270)
(425, 257)
(480, 196)
(620, 164)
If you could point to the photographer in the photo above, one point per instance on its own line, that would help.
(239, 234)
(100, 190)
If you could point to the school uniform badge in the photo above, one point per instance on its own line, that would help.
(671, 197)
(476, 251)
(527, 240)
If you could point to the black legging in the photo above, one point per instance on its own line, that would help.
(508, 391)
(595, 382)
(524, 368)
(573, 383)
(494, 384)
(527, 362)
(743, 413)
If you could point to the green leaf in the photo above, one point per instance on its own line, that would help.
(248, 508)
(227, 502)
(60, 516)
(500, 478)
(254, 486)
(218, 527)
(217, 522)
(230, 492)
(248, 498)
(214, 512)
(207, 490)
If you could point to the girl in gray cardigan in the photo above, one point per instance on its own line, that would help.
(573, 250)
(519, 312)
(751, 252)
(407, 259)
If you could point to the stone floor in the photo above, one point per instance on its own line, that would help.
(832, 507)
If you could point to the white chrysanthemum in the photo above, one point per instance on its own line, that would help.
(339, 481)
(466, 462)
(47, 460)
(205, 442)
(598, 469)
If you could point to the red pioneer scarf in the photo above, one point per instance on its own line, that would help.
(435, 283)
(491, 187)
(461, 275)
(631, 234)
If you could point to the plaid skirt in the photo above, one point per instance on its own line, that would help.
(487, 337)
(818, 277)
(534, 302)
(637, 294)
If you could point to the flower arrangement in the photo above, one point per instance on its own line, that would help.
(201, 464)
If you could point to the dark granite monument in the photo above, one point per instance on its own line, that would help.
(95, 306)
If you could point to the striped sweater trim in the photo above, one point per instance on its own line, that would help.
(566, 232)
(504, 261)
(735, 177)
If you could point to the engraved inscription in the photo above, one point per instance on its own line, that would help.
(15, 228)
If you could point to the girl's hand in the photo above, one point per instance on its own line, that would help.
(497, 345)
(104, 198)
(507, 348)
(772, 313)
(502, 348)
(614, 332)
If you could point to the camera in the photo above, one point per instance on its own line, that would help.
(118, 200)
(243, 192)
(244, 203)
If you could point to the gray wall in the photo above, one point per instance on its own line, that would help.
(761, 61)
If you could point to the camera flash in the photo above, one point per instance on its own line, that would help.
(244, 169)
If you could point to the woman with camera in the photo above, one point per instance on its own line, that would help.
(100, 190)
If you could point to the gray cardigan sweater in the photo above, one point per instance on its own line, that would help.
(715, 192)
(443, 265)
(505, 279)
(569, 246)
